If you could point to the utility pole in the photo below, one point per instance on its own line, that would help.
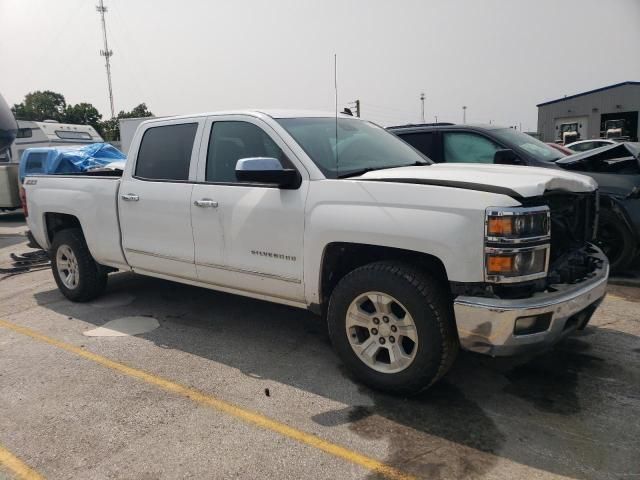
(464, 114)
(106, 53)
(436, 117)
(422, 102)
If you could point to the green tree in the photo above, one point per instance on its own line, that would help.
(83, 114)
(41, 105)
(111, 128)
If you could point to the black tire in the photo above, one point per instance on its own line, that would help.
(616, 241)
(430, 307)
(92, 277)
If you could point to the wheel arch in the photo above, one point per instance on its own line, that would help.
(340, 258)
(55, 222)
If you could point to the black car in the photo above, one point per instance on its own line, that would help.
(617, 172)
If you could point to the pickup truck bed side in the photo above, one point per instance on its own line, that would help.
(92, 200)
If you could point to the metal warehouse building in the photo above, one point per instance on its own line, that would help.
(607, 112)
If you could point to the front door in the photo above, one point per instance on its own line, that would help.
(247, 237)
(154, 200)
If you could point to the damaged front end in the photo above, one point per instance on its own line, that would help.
(506, 318)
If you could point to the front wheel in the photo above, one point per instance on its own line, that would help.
(392, 325)
(76, 273)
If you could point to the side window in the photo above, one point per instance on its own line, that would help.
(460, 147)
(583, 147)
(230, 141)
(165, 152)
(424, 142)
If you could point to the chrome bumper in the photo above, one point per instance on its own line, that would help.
(486, 325)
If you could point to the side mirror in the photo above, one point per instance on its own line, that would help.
(267, 170)
(506, 157)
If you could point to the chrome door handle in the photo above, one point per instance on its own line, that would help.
(130, 197)
(206, 202)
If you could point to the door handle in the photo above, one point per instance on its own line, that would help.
(130, 197)
(206, 202)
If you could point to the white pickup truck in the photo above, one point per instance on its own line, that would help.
(408, 261)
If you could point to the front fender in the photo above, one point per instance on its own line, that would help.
(443, 222)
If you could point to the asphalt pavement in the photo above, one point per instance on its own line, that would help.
(226, 387)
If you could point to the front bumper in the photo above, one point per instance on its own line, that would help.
(486, 325)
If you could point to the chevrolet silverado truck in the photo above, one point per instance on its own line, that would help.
(408, 261)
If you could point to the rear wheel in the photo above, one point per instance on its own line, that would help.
(76, 273)
(616, 241)
(392, 325)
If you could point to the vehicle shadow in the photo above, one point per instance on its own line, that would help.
(573, 411)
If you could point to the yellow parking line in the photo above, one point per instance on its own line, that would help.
(241, 413)
(17, 466)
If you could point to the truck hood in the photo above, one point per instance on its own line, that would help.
(515, 181)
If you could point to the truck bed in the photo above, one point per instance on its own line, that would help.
(91, 199)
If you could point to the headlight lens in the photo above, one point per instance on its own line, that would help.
(525, 263)
(506, 225)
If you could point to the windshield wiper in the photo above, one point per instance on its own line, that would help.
(362, 171)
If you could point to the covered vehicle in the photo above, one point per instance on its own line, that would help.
(59, 160)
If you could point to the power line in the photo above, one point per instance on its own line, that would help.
(106, 53)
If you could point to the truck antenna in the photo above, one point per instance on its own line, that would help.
(335, 85)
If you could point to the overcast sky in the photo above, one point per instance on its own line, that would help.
(498, 57)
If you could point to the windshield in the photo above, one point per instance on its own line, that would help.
(362, 146)
(534, 147)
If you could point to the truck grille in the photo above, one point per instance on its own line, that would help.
(573, 220)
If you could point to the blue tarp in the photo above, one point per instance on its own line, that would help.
(52, 160)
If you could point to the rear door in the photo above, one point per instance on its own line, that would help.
(154, 200)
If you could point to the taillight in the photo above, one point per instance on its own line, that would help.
(23, 201)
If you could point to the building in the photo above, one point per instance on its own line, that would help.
(607, 112)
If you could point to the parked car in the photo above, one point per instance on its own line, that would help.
(619, 219)
(584, 145)
(408, 261)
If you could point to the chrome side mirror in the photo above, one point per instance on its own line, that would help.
(267, 170)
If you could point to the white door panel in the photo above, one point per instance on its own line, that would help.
(253, 239)
(154, 200)
(156, 228)
(263, 231)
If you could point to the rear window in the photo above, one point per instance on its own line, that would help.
(24, 133)
(424, 142)
(35, 162)
(165, 152)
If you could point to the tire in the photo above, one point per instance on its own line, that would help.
(70, 249)
(616, 241)
(422, 298)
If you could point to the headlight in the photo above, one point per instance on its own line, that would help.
(517, 244)
(518, 225)
(509, 265)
